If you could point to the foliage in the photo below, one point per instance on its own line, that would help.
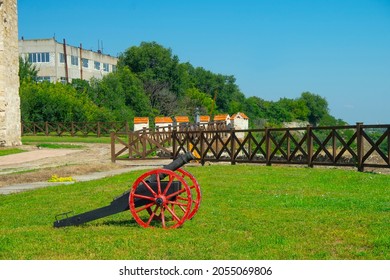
(151, 81)
(248, 212)
(27, 71)
(57, 103)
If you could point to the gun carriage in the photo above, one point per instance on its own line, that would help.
(165, 197)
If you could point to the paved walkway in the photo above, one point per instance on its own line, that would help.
(80, 178)
(35, 155)
(41, 155)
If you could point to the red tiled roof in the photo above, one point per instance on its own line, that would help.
(241, 114)
(139, 120)
(204, 118)
(163, 120)
(222, 117)
(180, 119)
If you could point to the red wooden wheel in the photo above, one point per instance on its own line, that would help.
(195, 191)
(165, 203)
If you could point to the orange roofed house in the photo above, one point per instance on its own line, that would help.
(222, 118)
(181, 121)
(240, 121)
(141, 123)
(162, 122)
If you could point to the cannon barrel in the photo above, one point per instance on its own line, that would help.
(174, 165)
(121, 203)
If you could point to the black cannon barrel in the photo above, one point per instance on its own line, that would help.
(174, 165)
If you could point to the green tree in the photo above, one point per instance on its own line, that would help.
(317, 106)
(57, 103)
(155, 65)
(27, 71)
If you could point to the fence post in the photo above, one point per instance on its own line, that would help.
(233, 147)
(309, 142)
(202, 134)
(360, 146)
(267, 147)
(72, 128)
(388, 146)
(174, 145)
(112, 135)
(98, 130)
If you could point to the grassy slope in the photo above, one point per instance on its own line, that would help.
(247, 212)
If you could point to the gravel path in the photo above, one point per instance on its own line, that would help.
(32, 169)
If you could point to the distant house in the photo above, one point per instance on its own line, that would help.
(162, 122)
(240, 121)
(222, 118)
(141, 123)
(204, 119)
(181, 121)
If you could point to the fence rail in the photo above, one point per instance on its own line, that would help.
(357, 145)
(73, 128)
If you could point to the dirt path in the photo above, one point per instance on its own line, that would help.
(37, 165)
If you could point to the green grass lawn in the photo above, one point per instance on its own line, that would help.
(10, 151)
(247, 212)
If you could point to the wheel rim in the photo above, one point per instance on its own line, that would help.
(195, 191)
(162, 204)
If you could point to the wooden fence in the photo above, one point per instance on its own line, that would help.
(357, 145)
(73, 128)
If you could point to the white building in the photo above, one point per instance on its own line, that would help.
(59, 62)
(140, 123)
(240, 121)
(162, 123)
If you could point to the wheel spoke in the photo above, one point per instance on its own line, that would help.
(173, 214)
(149, 188)
(163, 217)
(175, 193)
(143, 197)
(169, 184)
(158, 184)
(153, 214)
(144, 207)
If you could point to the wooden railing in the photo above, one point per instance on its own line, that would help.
(357, 145)
(73, 128)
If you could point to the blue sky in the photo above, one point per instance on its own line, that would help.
(339, 49)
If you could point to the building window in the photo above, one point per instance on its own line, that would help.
(106, 67)
(97, 65)
(62, 58)
(74, 60)
(113, 68)
(43, 79)
(63, 80)
(85, 62)
(39, 57)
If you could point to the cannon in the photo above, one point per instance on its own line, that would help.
(165, 197)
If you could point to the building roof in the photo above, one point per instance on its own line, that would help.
(222, 117)
(204, 118)
(180, 119)
(239, 114)
(163, 120)
(139, 120)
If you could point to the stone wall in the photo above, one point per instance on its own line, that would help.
(10, 130)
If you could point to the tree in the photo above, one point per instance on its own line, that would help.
(154, 65)
(27, 71)
(57, 103)
(317, 105)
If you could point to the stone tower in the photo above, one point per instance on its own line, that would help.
(10, 130)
